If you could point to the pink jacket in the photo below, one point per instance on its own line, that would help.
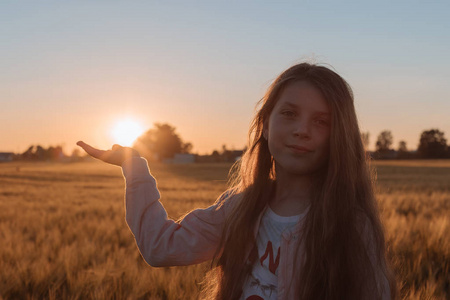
(164, 242)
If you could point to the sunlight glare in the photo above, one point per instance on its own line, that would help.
(125, 132)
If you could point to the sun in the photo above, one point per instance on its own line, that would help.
(126, 131)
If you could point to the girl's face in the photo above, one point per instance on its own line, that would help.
(298, 129)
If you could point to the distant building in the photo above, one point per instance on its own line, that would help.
(181, 159)
(6, 156)
(228, 156)
(236, 155)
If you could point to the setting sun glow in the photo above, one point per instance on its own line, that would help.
(125, 132)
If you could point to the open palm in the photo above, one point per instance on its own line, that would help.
(116, 156)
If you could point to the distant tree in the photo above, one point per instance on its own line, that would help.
(432, 144)
(186, 148)
(224, 148)
(28, 154)
(76, 153)
(55, 153)
(226, 154)
(41, 153)
(383, 146)
(365, 139)
(402, 152)
(161, 141)
(215, 156)
(384, 141)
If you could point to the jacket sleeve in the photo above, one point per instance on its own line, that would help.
(161, 241)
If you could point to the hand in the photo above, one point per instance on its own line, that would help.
(116, 156)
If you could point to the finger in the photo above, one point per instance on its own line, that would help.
(94, 152)
(116, 147)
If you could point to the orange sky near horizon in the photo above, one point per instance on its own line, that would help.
(71, 71)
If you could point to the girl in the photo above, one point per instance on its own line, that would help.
(300, 220)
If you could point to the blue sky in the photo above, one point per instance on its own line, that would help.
(70, 69)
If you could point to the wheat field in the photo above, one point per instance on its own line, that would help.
(63, 233)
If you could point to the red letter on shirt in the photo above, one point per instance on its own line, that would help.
(273, 265)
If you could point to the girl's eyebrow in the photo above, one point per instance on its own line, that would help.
(290, 104)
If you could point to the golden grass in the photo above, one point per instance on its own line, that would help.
(414, 199)
(63, 232)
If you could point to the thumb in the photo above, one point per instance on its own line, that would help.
(116, 147)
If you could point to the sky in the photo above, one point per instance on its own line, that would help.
(70, 70)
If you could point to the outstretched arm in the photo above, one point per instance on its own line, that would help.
(116, 156)
(161, 241)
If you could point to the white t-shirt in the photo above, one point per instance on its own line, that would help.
(263, 280)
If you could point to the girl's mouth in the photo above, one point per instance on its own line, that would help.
(299, 149)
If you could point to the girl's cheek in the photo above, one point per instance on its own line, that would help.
(325, 131)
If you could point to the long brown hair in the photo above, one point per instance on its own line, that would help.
(337, 265)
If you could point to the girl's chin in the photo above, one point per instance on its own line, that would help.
(299, 168)
(296, 170)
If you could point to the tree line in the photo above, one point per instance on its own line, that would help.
(162, 142)
(40, 153)
(432, 144)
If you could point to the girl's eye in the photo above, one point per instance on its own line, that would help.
(288, 113)
(321, 122)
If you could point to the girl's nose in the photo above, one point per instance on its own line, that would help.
(302, 129)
